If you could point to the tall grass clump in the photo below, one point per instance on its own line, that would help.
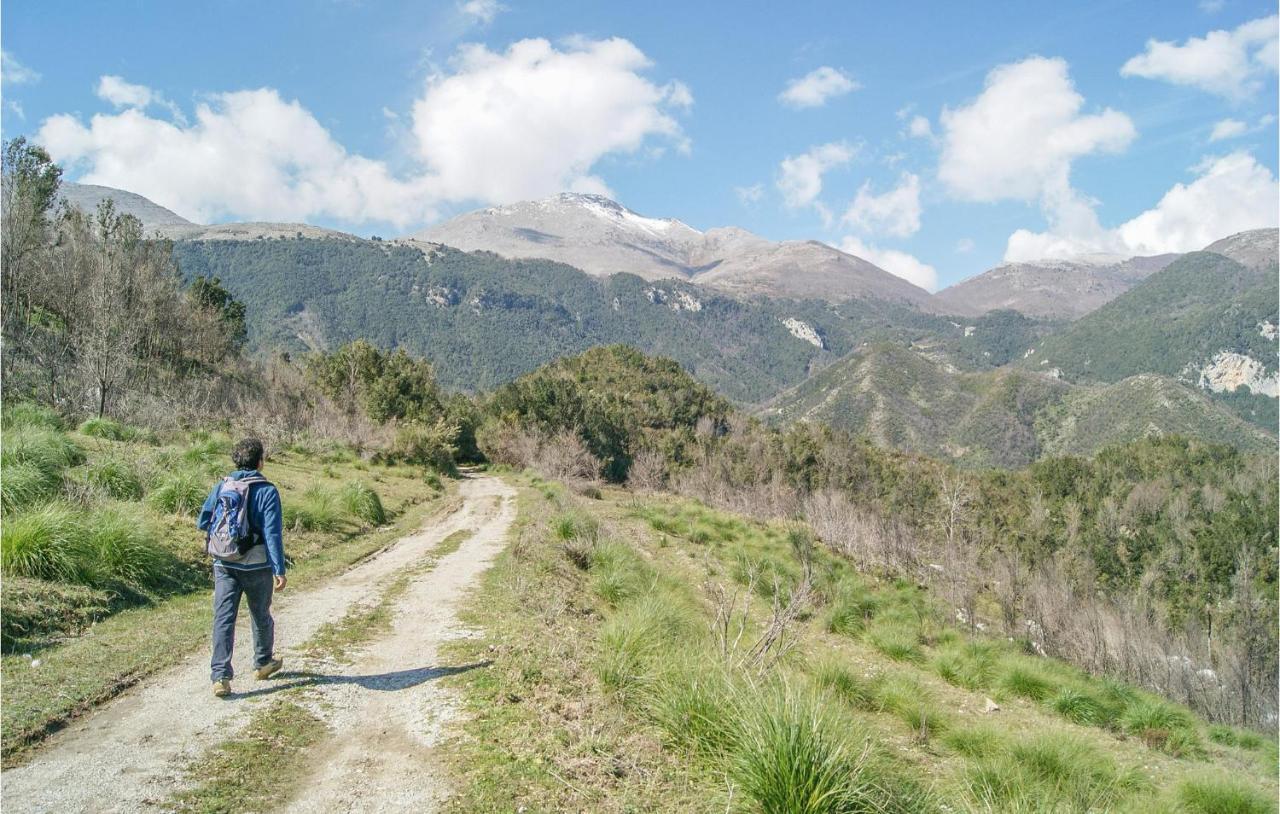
(899, 640)
(1228, 736)
(976, 741)
(29, 414)
(1025, 679)
(45, 542)
(1162, 725)
(115, 477)
(692, 698)
(1053, 772)
(1221, 795)
(47, 448)
(796, 752)
(107, 429)
(207, 452)
(123, 550)
(837, 679)
(634, 639)
(972, 665)
(316, 509)
(179, 492)
(363, 503)
(618, 573)
(24, 484)
(904, 696)
(1080, 707)
(851, 607)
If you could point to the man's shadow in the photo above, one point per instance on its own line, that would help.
(382, 682)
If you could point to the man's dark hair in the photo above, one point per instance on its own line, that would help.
(247, 454)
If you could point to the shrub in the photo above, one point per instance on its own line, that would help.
(426, 445)
(29, 414)
(363, 503)
(107, 429)
(1215, 795)
(178, 492)
(316, 509)
(45, 542)
(115, 477)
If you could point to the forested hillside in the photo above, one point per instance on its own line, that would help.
(484, 320)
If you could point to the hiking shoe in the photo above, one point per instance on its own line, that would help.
(222, 688)
(269, 669)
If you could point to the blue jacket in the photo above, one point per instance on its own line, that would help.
(264, 518)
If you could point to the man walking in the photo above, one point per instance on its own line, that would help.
(242, 520)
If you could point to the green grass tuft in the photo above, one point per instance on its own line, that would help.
(843, 683)
(1079, 707)
(107, 429)
(1162, 725)
(1221, 795)
(179, 492)
(25, 483)
(976, 741)
(116, 477)
(363, 503)
(316, 509)
(898, 641)
(28, 414)
(1026, 680)
(1052, 772)
(45, 542)
(636, 635)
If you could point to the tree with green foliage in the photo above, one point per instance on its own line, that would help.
(207, 293)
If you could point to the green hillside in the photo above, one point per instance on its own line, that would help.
(483, 320)
(1173, 323)
(1008, 417)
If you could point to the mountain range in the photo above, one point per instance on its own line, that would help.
(1024, 360)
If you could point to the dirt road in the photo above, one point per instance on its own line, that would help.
(386, 709)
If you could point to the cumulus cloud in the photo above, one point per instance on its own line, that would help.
(1019, 137)
(1227, 129)
(1232, 64)
(527, 122)
(896, 212)
(13, 72)
(534, 120)
(482, 11)
(897, 263)
(800, 177)
(815, 88)
(1232, 193)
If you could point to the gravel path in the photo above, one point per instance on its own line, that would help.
(129, 755)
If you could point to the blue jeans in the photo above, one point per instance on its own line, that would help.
(228, 585)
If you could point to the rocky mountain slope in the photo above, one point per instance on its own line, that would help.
(602, 237)
(1048, 289)
(156, 220)
(901, 398)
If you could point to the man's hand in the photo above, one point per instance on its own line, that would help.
(280, 581)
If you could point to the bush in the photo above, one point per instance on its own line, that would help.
(45, 543)
(107, 429)
(316, 509)
(363, 503)
(1213, 795)
(179, 492)
(429, 445)
(29, 414)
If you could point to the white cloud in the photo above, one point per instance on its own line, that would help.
(749, 196)
(1018, 138)
(1232, 193)
(919, 127)
(1233, 64)
(1211, 6)
(897, 263)
(483, 11)
(13, 72)
(816, 87)
(896, 212)
(534, 120)
(1227, 129)
(120, 93)
(964, 245)
(525, 123)
(800, 177)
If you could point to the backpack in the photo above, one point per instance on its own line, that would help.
(230, 536)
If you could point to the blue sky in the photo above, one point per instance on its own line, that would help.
(1067, 126)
